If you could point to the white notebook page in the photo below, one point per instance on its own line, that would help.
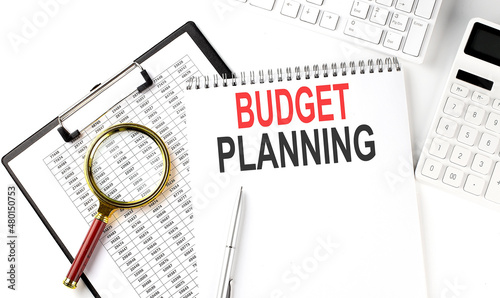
(333, 224)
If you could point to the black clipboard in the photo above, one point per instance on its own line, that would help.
(199, 39)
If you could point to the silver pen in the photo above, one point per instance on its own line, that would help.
(226, 278)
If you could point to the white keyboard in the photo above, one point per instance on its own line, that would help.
(462, 150)
(400, 28)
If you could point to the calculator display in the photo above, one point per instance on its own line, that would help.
(474, 80)
(484, 43)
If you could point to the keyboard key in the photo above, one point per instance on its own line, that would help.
(329, 20)
(481, 164)
(447, 127)
(460, 156)
(474, 185)
(480, 98)
(496, 104)
(474, 115)
(290, 9)
(309, 15)
(265, 4)
(454, 107)
(384, 2)
(467, 135)
(415, 38)
(424, 8)
(453, 177)
(439, 148)
(393, 40)
(488, 143)
(363, 31)
(459, 90)
(432, 169)
(360, 9)
(404, 5)
(399, 22)
(317, 2)
(379, 16)
(493, 191)
(493, 122)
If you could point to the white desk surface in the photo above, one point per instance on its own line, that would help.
(82, 43)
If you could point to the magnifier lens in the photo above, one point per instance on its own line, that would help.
(127, 166)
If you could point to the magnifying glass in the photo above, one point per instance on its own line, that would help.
(126, 166)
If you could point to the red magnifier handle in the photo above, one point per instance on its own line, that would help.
(83, 256)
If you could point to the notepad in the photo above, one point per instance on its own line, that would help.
(324, 158)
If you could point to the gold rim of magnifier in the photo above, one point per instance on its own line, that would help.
(87, 168)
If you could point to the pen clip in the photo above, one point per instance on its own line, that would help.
(229, 293)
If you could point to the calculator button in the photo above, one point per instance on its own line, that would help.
(360, 9)
(460, 156)
(439, 148)
(454, 107)
(265, 4)
(309, 15)
(393, 40)
(453, 177)
(432, 169)
(493, 122)
(493, 192)
(480, 98)
(317, 2)
(496, 104)
(488, 143)
(404, 5)
(399, 22)
(474, 115)
(424, 8)
(329, 20)
(474, 185)
(481, 164)
(467, 135)
(415, 38)
(379, 16)
(290, 9)
(459, 90)
(363, 31)
(447, 127)
(384, 2)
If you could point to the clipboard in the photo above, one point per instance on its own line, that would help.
(67, 135)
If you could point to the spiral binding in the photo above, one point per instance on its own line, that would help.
(342, 69)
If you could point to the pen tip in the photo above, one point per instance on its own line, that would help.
(240, 195)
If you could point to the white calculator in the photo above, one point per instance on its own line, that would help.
(462, 150)
(399, 28)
